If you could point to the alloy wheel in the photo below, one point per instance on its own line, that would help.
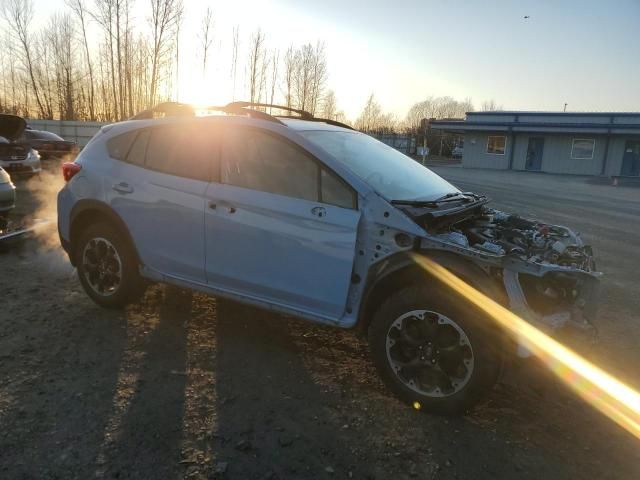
(102, 266)
(429, 353)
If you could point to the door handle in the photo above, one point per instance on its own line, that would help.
(122, 187)
(214, 206)
(318, 211)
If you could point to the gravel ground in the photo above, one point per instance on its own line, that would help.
(185, 386)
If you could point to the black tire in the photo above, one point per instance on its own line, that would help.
(481, 369)
(130, 286)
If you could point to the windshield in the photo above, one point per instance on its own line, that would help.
(391, 173)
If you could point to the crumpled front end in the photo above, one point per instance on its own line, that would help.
(548, 275)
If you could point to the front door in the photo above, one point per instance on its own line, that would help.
(280, 227)
(631, 159)
(534, 153)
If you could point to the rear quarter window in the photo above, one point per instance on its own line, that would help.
(138, 150)
(119, 146)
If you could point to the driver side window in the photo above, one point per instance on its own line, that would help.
(262, 161)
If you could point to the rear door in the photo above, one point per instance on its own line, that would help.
(280, 226)
(159, 190)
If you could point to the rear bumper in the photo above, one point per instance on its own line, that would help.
(64, 204)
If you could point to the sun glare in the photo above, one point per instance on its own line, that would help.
(603, 391)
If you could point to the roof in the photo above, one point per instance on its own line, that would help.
(545, 122)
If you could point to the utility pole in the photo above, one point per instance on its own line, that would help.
(426, 124)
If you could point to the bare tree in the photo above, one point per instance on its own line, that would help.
(318, 76)
(234, 59)
(436, 107)
(18, 14)
(61, 36)
(305, 76)
(329, 105)
(256, 66)
(370, 116)
(274, 75)
(207, 37)
(290, 67)
(78, 7)
(490, 106)
(165, 18)
(374, 120)
(103, 15)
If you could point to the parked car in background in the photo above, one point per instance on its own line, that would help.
(15, 157)
(48, 144)
(457, 151)
(7, 197)
(308, 217)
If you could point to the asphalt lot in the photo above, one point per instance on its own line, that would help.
(182, 386)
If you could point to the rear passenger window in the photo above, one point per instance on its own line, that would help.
(139, 148)
(260, 161)
(118, 147)
(183, 151)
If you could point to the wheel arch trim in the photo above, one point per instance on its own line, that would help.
(82, 207)
(404, 269)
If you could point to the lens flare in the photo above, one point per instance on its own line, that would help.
(600, 389)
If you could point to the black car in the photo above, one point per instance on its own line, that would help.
(48, 144)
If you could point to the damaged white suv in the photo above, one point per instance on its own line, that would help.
(307, 217)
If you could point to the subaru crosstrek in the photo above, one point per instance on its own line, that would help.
(311, 218)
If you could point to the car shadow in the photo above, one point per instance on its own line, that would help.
(142, 435)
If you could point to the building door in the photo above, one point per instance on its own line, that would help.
(631, 159)
(534, 153)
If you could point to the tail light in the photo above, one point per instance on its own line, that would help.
(69, 169)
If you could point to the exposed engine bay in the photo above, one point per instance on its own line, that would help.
(499, 233)
(547, 272)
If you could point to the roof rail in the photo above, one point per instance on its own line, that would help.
(172, 109)
(176, 109)
(303, 114)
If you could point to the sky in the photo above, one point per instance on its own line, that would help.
(583, 53)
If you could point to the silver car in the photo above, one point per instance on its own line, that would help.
(7, 197)
(16, 158)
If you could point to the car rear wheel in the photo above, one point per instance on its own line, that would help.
(433, 351)
(107, 266)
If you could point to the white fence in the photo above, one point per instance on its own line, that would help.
(79, 132)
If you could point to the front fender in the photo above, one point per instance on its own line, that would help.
(400, 270)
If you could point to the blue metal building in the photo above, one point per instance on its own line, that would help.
(556, 142)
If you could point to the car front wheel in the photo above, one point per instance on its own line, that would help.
(433, 351)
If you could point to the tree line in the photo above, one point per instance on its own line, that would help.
(59, 69)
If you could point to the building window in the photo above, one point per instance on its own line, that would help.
(496, 144)
(582, 148)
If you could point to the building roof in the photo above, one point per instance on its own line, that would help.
(613, 123)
